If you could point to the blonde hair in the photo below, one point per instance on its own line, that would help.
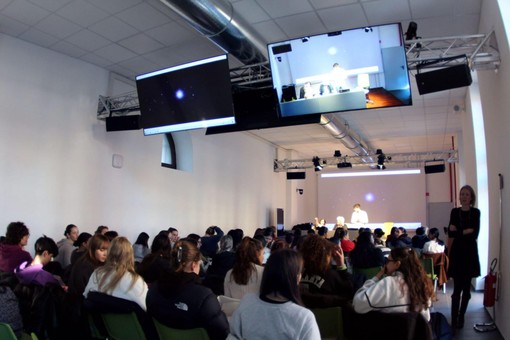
(120, 261)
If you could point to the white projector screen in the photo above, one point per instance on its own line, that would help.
(398, 198)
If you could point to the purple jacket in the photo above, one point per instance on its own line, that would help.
(11, 256)
(34, 275)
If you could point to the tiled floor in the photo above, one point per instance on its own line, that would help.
(476, 313)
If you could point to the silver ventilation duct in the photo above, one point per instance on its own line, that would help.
(216, 20)
(339, 129)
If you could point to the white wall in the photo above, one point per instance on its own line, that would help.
(56, 160)
(496, 103)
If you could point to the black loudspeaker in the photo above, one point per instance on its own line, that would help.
(432, 169)
(282, 49)
(444, 79)
(296, 175)
(288, 93)
(123, 123)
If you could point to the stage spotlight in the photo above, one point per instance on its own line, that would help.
(317, 163)
(305, 39)
(369, 29)
(380, 159)
(337, 153)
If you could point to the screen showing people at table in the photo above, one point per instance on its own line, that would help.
(337, 64)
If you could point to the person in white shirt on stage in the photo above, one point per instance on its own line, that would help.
(359, 216)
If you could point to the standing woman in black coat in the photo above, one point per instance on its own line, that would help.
(463, 231)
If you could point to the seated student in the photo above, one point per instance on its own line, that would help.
(32, 273)
(118, 277)
(9, 306)
(210, 241)
(435, 245)
(66, 245)
(307, 91)
(390, 290)
(141, 247)
(366, 254)
(341, 237)
(222, 262)
(158, 260)
(276, 312)
(82, 246)
(246, 275)
(419, 240)
(178, 300)
(378, 234)
(11, 249)
(398, 238)
(322, 285)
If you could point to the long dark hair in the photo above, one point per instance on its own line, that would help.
(143, 239)
(246, 258)
(434, 232)
(419, 285)
(281, 275)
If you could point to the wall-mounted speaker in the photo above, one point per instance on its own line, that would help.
(444, 79)
(432, 169)
(123, 123)
(296, 175)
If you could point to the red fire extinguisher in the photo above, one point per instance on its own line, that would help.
(489, 295)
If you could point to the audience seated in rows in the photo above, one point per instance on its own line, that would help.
(178, 300)
(246, 275)
(419, 240)
(398, 238)
(276, 312)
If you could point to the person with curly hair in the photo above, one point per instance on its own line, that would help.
(324, 284)
(400, 286)
(246, 275)
(11, 250)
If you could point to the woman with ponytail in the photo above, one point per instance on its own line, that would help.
(178, 299)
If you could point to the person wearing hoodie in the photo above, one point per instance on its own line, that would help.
(32, 273)
(11, 250)
(66, 245)
(178, 300)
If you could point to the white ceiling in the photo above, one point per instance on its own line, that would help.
(130, 37)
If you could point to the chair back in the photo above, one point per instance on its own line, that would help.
(169, 333)
(6, 332)
(428, 265)
(440, 262)
(367, 272)
(121, 326)
(330, 322)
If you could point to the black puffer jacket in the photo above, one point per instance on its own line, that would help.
(178, 300)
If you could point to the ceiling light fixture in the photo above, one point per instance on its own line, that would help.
(317, 163)
(371, 173)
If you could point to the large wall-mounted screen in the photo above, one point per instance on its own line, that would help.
(347, 70)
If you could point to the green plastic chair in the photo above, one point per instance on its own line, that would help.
(123, 326)
(6, 332)
(428, 265)
(368, 272)
(168, 333)
(330, 322)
